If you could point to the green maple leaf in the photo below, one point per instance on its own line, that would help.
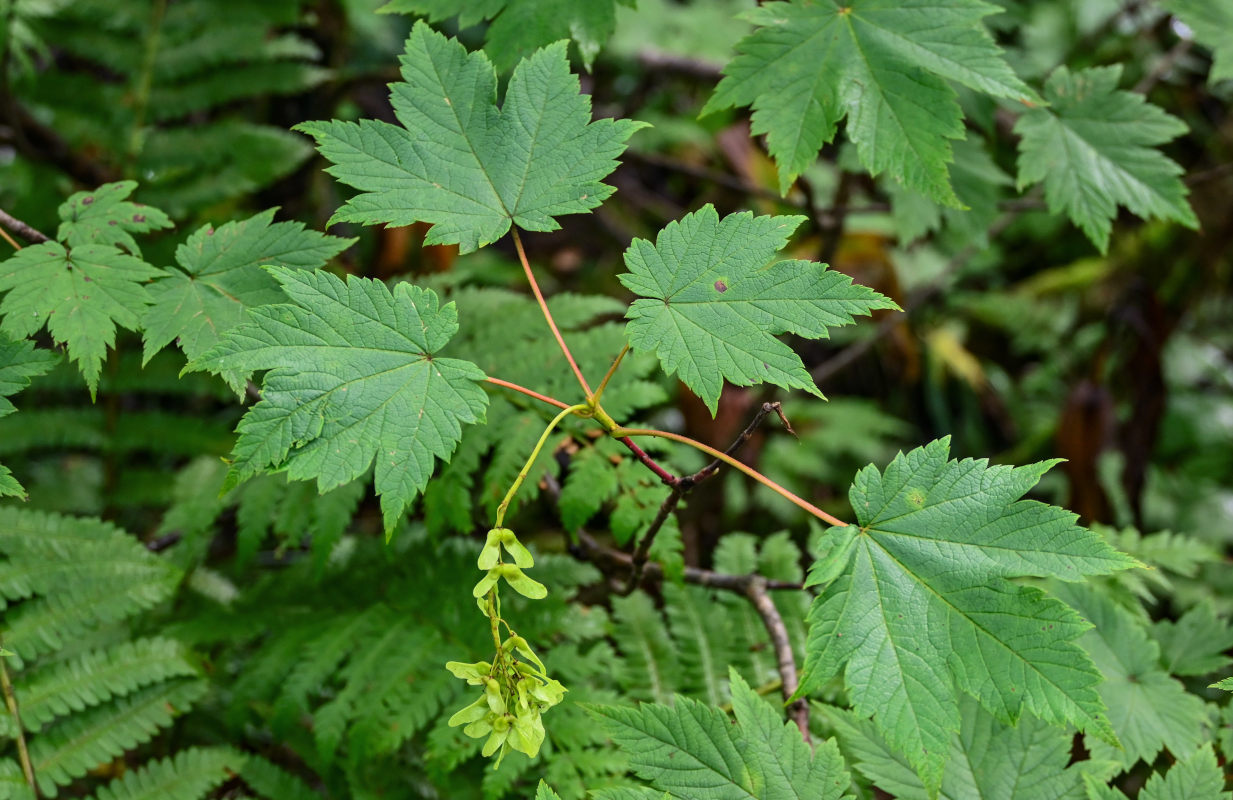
(1211, 21)
(1148, 709)
(106, 216)
(1195, 776)
(692, 750)
(221, 277)
(19, 362)
(884, 64)
(711, 306)
(1196, 643)
(986, 758)
(465, 166)
(1093, 148)
(520, 26)
(81, 294)
(353, 378)
(919, 605)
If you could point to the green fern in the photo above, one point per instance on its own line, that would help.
(188, 775)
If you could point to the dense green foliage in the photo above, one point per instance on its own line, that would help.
(521, 481)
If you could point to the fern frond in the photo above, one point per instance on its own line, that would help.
(273, 782)
(71, 748)
(703, 638)
(639, 632)
(98, 676)
(188, 775)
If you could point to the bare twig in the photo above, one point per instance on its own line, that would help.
(671, 62)
(10, 702)
(1162, 67)
(648, 462)
(683, 486)
(756, 591)
(21, 229)
(552, 323)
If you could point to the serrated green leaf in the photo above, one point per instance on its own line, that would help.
(1093, 148)
(988, 759)
(1196, 643)
(1211, 21)
(544, 792)
(353, 377)
(465, 166)
(518, 27)
(692, 750)
(81, 294)
(1196, 776)
(1149, 710)
(881, 63)
(19, 362)
(105, 217)
(221, 277)
(711, 306)
(925, 609)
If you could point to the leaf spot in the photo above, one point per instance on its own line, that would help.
(720, 286)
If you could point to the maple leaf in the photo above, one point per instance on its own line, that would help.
(881, 63)
(106, 216)
(81, 294)
(919, 605)
(1210, 21)
(691, 750)
(221, 277)
(1196, 775)
(711, 306)
(1148, 709)
(19, 362)
(465, 166)
(520, 26)
(353, 377)
(1196, 643)
(1093, 148)
(986, 758)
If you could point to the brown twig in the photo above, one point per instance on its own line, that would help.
(21, 229)
(756, 591)
(10, 702)
(528, 392)
(683, 486)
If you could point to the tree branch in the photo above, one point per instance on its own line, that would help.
(756, 591)
(21, 229)
(684, 485)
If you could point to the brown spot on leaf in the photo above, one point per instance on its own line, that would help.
(85, 201)
(720, 286)
(139, 218)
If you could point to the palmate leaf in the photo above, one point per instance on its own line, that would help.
(465, 166)
(1148, 709)
(353, 377)
(520, 26)
(919, 606)
(81, 294)
(1195, 776)
(221, 277)
(1211, 21)
(711, 306)
(882, 63)
(1026, 761)
(1093, 148)
(19, 362)
(693, 751)
(106, 216)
